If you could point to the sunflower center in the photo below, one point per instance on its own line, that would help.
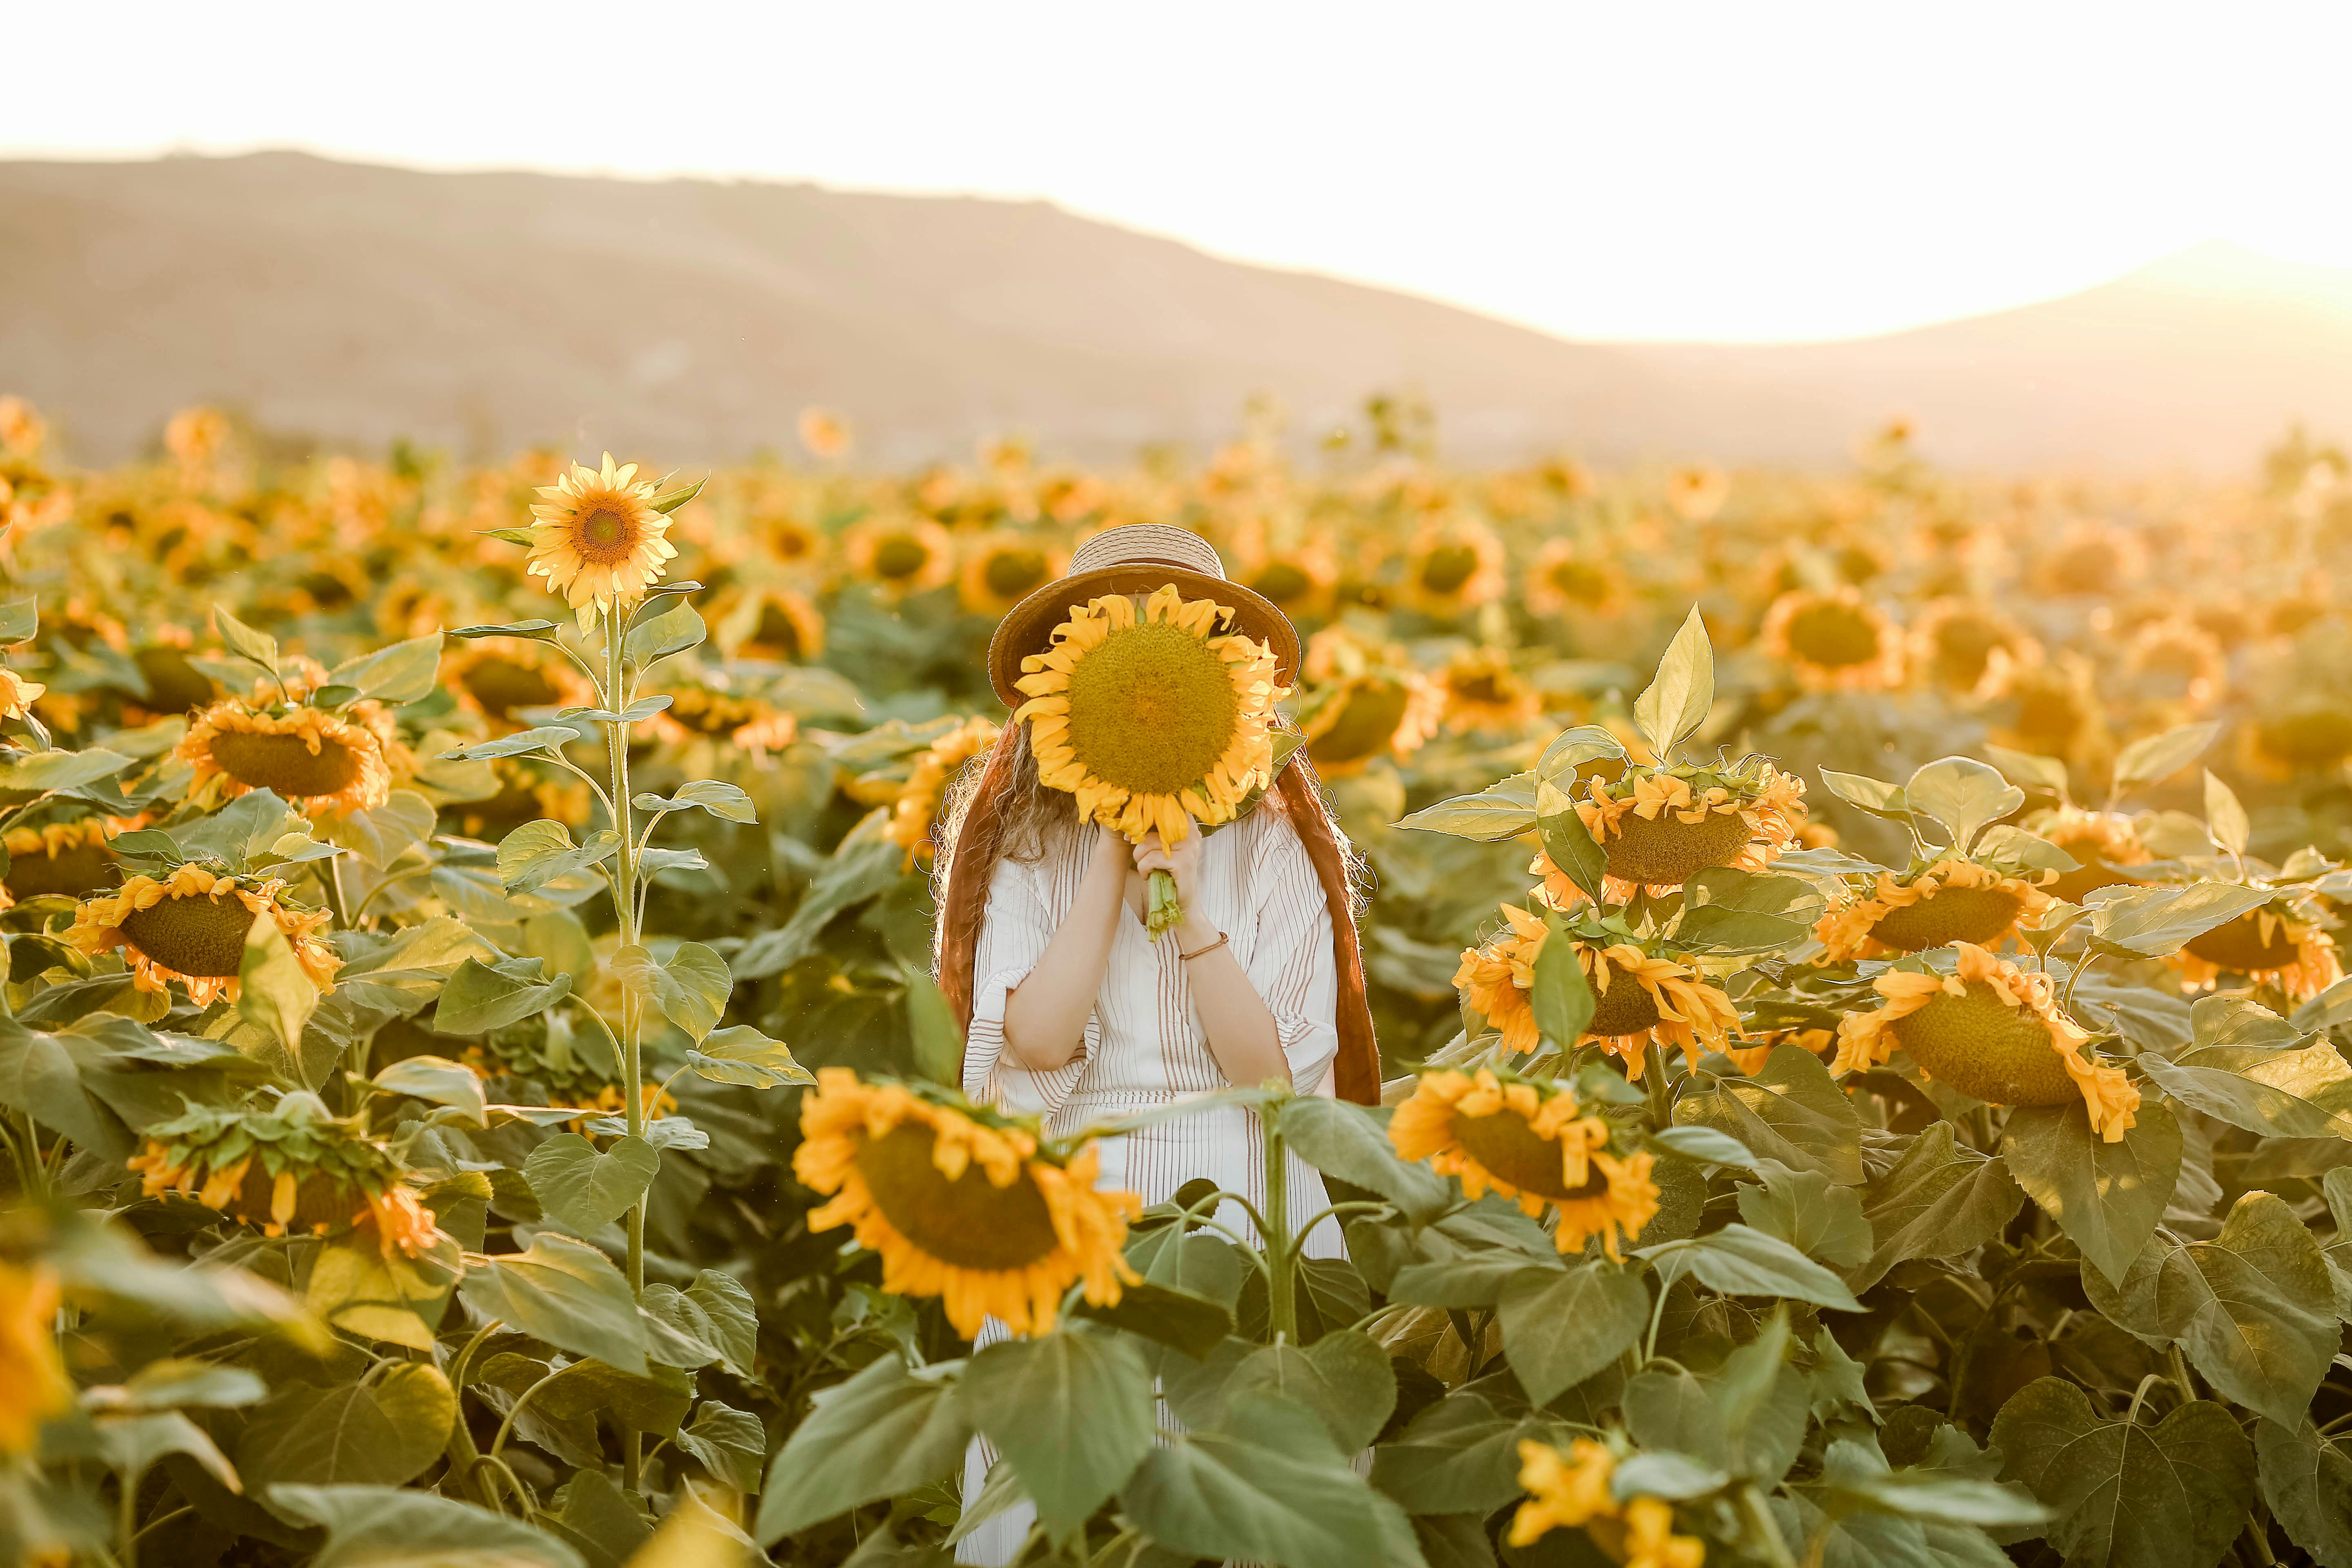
(501, 685)
(285, 763)
(1506, 1145)
(779, 631)
(1578, 581)
(1834, 636)
(1625, 1008)
(900, 556)
(1152, 709)
(1963, 646)
(1984, 1047)
(2048, 713)
(605, 536)
(76, 869)
(1947, 915)
(2238, 946)
(1282, 582)
(1367, 719)
(1444, 569)
(967, 1223)
(1664, 851)
(319, 1200)
(1013, 573)
(201, 937)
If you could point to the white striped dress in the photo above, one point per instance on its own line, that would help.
(1144, 1047)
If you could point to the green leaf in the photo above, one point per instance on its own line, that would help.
(1871, 795)
(436, 1080)
(385, 1429)
(655, 1402)
(674, 630)
(2155, 922)
(565, 1292)
(2307, 1481)
(20, 618)
(38, 1078)
(1562, 999)
(404, 672)
(1963, 795)
(886, 1431)
(1191, 1325)
(742, 1055)
(1270, 1489)
(170, 1384)
(585, 1188)
(259, 647)
(2030, 769)
(1198, 1263)
(1678, 699)
(538, 853)
(355, 1286)
(529, 631)
(1072, 1411)
(41, 772)
(1823, 1222)
(131, 1443)
(1561, 1326)
(1569, 844)
(1739, 1261)
(545, 738)
(671, 501)
(732, 1445)
(734, 1320)
(2106, 1197)
(1940, 1199)
(1351, 1142)
(1792, 1111)
(2168, 1494)
(1500, 811)
(480, 997)
(1705, 1146)
(278, 996)
(856, 873)
(384, 833)
(1458, 1456)
(1344, 1378)
(382, 1527)
(716, 796)
(2244, 1068)
(693, 989)
(938, 1043)
(2155, 758)
(2225, 818)
(1856, 1478)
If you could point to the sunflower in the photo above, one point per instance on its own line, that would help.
(2056, 709)
(597, 539)
(196, 437)
(825, 435)
(1834, 641)
(18, 694)
(2098, 841)
(1952, 900)
(292, 1170)
(1569, 578)
(1993, 1031)
(1367, 700)
(1482, 693)
(1532, 1143)
(2177, 665)
(1001, 568)
(1639, 994)
(771, 623)
(2274, 945)
(175, 685)
(1453, 565)
(918, 801)
(191, 927)
(1297, 578)
(1660, 827)
(526, 791)
(1696, 492)
(1966, 647)
(1566, 1489)
(2091, 559)
(1149, 716)
(2310, 734)
(698, 712)
(34, 1384)
(1750, 1058)
(317, 759)
(900, 553)
(69, 858)
(498, 682)
(961, 1203)
(23, 431)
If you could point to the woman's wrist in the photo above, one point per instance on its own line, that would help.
(1193, 933)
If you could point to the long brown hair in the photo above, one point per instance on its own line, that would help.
(996, 809)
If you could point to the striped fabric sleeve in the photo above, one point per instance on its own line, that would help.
(1291, 963)
(1014, 932)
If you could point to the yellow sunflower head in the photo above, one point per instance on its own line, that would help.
(598, 540)
(1697, 493)
(901, 555)
(1565, 1488)
(961, 1203)
(2178, 664)
(1529, 1141)
(1572, 579)
(1001, 569)
(2310, 734)
(1482, 693)
(1453, 565)
(315, 759)
(2097, 841)
(2092, 558)
(191, 926)
(1380, 712)
(2277, 944)
(1834, 641)
(67, 858)
(30, 1367)
(18, 694)
(1151, 717)
(1966, 646)
(825, 434)
(1954, 899)
(1660, 826)
(1296, 577)
(1993, 1031)
(917, 802)
(709, 713)
(499, 680)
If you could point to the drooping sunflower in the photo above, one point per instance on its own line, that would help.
(597, 539)
(1993, 1031)
(2054, 711)
(499, 680)
(1002, 567)
(1572, 1487)
(1482, 693)
(917, 804)
(67, 859)
(1660, 826)
(1365, 699)
(770, 623)
(527, 789)
(290, 1169)
(1641, 992)
(1952, 900)
(1297, 576)
(1453, 565)
(317, 758)
(961, 1203)
(31, 1370)
(2175, 668)
(1834, 641)
(899, 553)
(2301, 736)
(742, 720)
(1151, 717)
(1531, 1142)
(2099, 842)
(18, 694)
(191, 925)
(1966, 647)
(1569, 578)
(1750, 1058)
(2277, 944)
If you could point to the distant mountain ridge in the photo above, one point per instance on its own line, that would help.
(689, 321)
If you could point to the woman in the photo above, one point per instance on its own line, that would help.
(1071, 1012)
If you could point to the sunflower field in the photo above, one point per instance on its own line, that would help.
(1855, 955)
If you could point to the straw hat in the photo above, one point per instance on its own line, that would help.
(1135, 558)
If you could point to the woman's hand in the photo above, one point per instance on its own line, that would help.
(1181, 861)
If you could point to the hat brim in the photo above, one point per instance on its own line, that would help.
(1029, 626)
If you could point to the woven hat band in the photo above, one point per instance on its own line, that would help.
(1148, 544)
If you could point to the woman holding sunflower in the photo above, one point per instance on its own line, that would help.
(1140, 724)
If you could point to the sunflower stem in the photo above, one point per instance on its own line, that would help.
(615, 697)
(1661, 1095)
(1281, 1284)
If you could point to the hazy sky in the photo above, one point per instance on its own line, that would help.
(1761, 171)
